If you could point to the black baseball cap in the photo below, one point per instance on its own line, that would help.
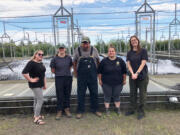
(62, 47)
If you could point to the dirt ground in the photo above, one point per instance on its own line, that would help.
(157, 122)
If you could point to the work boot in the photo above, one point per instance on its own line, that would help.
(107, 112)
(79, 115)
(58, 115)
(118, 111)
(99, 114)
(67, 112)
(141, 114)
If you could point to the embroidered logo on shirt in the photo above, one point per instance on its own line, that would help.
(117, 63)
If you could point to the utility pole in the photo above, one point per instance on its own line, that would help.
(122, 39)
(28, 44)
(174, 22)
(127, 38)
(5, 36)
(44, 35)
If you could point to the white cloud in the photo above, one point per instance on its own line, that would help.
(164, 6)
(33, 7)
(36, 7)
(107, 33)
(123, 1)
(139, 1)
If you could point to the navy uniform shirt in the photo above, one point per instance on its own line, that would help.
(135, 59)
(112, 71)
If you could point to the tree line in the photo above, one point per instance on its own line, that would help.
(23, 50)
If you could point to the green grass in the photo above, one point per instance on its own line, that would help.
(156, 122)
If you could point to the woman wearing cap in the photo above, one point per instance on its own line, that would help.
(34, 72)
(61, 67)
(136, 62)
(112, 77)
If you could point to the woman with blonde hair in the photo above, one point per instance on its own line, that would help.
(34, 72)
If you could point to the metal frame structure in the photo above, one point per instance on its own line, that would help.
(78, 32)
(122, 40)
(144, 12)
(63, 13)
(25, 39)
(127, 39)
(175, 22)
(162, 38)
(118, 50)
(101, 43)
(5, 36)
(146, 36)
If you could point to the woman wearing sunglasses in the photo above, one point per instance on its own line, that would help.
(34, 72)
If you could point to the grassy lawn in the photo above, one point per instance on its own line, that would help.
(157, 122)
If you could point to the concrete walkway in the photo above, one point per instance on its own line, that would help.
(166, 80)
(157, 83)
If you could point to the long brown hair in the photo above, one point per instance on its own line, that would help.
(138, 46)
(35, 53)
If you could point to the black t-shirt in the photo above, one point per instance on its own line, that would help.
(135, 59)
(35, 69)
(112, 71)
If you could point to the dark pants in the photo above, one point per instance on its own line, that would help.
(63, 91)
(112, 91)
(134, 85)
(83, 83)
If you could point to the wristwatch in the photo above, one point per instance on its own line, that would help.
(137, 73)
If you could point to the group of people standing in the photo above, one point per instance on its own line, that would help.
(110, 73)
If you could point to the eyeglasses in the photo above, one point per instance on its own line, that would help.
(40, 54)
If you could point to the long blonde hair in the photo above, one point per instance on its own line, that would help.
(35, 53)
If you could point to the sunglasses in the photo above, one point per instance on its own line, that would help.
(40, 54)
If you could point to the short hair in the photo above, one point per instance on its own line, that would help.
(111, 46)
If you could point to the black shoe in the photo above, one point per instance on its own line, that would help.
(140, 115)
(107, 112)
(128, 113)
